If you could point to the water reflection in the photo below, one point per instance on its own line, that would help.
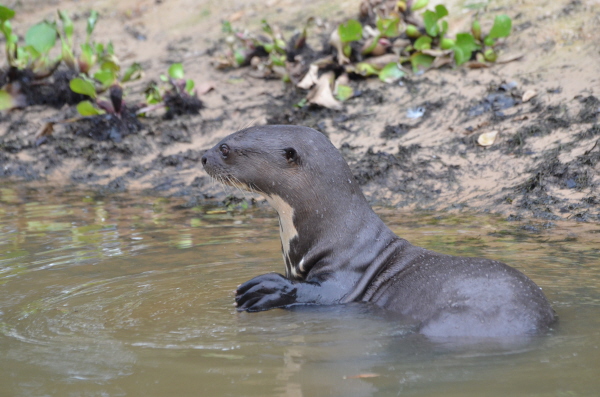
(129, 295)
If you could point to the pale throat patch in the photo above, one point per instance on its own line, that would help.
(287, 230)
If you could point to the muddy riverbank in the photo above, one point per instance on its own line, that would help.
(544, 163)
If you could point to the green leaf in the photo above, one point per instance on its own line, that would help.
(12, 38)
(489, 41)
(301, 103)
(32, 52)
(240, 57)
(444, 28)
(350, 30)
(269, 47)
(189, 86)
(460, 56)
(226, 27)
(266, 27)
(86, 108)
(476, 29)
(6, 13)
(417, 5)
(441, 11)
(502, 27)
(42, 37)
(344, 92)
(87, 51)
(430, 19)
(364, 69)
(67, 56)
(420, 61)
(153, 95)
(6, 100)
(465, 43)
(412, 31)
(176, 71)
(68, 26)
(280, 46)
(391, 73)
(278, 60)
(106, 77)
(388, 26)
(490, 55)
(134, 72)
(110, 64)
(446, 44)
(347, 50)
(423, 43)
(6, 29)
(91, 22)
(82, 86)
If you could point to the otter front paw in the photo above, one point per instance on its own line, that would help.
(265, 292)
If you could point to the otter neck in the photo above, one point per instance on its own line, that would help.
(287, 229)
(308, 233)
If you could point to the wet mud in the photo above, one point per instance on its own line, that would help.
(413, 144)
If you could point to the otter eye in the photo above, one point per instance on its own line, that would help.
(224, 149)
(291, 155)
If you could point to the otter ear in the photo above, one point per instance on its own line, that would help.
(291, 155)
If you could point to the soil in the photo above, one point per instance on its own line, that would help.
(545, 162)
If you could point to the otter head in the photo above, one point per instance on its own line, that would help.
(300, 173)
(295, 163)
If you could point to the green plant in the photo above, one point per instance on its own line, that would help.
(178, 95)
(268, 54)
(39, 40)
(349, 32)
(96, 63)
(100, 82)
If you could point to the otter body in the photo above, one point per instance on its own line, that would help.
(337, 250)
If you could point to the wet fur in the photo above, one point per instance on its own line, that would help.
(337, 250)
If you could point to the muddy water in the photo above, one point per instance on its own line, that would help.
(131, 295)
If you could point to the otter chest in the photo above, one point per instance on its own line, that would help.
(287, 230)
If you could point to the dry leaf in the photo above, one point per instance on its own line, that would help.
(343, 79)
(236, 16)
(336, 42)
(509, 58)
(325, 61)
(487, 138)
(310, 78)
(46, 130)
(441, 61)
(321, 93)
(399, 45)
(521, 118)
(382, 60)
(203, 88)
(437, 53)
(362, 376)
(477, 65)
(528, 95)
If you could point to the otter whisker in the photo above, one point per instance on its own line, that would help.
(235, 182)
(251, 123)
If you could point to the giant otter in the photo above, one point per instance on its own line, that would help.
(337, 250)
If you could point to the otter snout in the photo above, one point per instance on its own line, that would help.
(210, 162)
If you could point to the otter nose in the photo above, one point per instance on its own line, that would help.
(204, 159)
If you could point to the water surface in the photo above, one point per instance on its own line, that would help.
(129, 295)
